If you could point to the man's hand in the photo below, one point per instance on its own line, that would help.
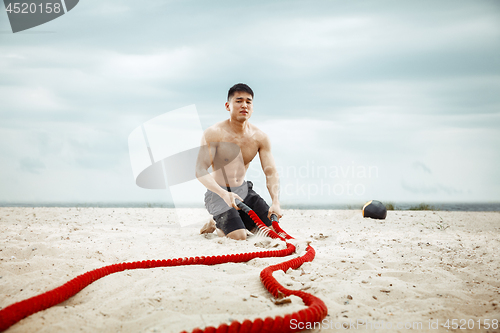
(230, 197)
(274, 209)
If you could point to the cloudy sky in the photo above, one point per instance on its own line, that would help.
(389, 100)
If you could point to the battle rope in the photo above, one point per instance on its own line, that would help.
(315, 312)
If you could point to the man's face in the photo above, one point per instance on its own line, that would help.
(240, 106)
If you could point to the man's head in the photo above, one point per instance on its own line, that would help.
(240, 102)
(238, 87)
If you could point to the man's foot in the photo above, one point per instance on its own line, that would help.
(209, 227)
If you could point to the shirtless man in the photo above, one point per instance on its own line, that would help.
(229, 147)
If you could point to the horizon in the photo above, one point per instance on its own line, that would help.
(396, 205)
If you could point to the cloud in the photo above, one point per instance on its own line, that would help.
(385, 84)
(31, 165)
(435, 188)
(421, 166)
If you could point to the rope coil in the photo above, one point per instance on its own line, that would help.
(315, 312)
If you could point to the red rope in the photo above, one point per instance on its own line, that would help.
(316, 309)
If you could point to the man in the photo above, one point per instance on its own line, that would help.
(229, 147)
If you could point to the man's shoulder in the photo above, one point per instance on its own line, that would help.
(214, 131)
(258, 134)
(217, 127)
(260, 137)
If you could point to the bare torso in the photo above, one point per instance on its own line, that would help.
(232, 152)
(229, 147)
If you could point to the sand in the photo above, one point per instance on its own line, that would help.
(414, 267)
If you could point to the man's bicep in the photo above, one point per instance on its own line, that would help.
(266, 157)
(206, 153)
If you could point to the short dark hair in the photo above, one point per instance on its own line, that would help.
(239, 87)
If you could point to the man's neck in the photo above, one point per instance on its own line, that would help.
(237, 126)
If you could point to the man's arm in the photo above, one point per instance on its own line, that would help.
(272, 176)
(208, 149)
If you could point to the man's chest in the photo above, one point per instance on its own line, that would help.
(230, 147)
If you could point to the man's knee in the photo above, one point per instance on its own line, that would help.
(239, 234)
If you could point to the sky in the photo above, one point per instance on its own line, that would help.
(387, 100)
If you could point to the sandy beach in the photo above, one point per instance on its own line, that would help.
(416, 269)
